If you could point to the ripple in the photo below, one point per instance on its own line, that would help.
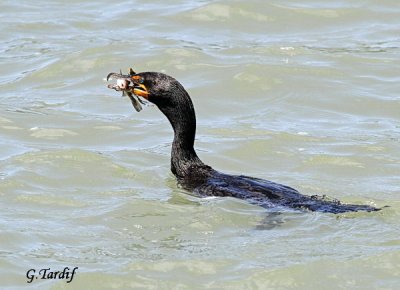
(303, 93)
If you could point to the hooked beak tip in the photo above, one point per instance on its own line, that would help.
(108, 76)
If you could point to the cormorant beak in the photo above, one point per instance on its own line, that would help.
(122, 84)
(139, 89)
(128, 83)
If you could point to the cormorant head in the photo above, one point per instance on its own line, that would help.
(158, 88)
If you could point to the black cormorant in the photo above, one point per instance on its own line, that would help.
(195, 176)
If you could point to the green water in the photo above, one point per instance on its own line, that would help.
(305, 93)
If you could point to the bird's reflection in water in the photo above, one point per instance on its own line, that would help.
(271, 221)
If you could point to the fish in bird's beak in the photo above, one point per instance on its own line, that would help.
(130, 85)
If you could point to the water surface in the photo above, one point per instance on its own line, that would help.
(305, 93)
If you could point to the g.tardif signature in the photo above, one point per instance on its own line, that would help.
(46, 273)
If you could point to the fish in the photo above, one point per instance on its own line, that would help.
(124, 84)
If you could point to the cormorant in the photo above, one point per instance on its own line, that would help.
(192, 174)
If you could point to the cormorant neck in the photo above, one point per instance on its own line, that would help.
(180, 112)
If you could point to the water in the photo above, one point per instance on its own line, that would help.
(305, 93)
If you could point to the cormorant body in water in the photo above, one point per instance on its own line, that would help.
(195, 176)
